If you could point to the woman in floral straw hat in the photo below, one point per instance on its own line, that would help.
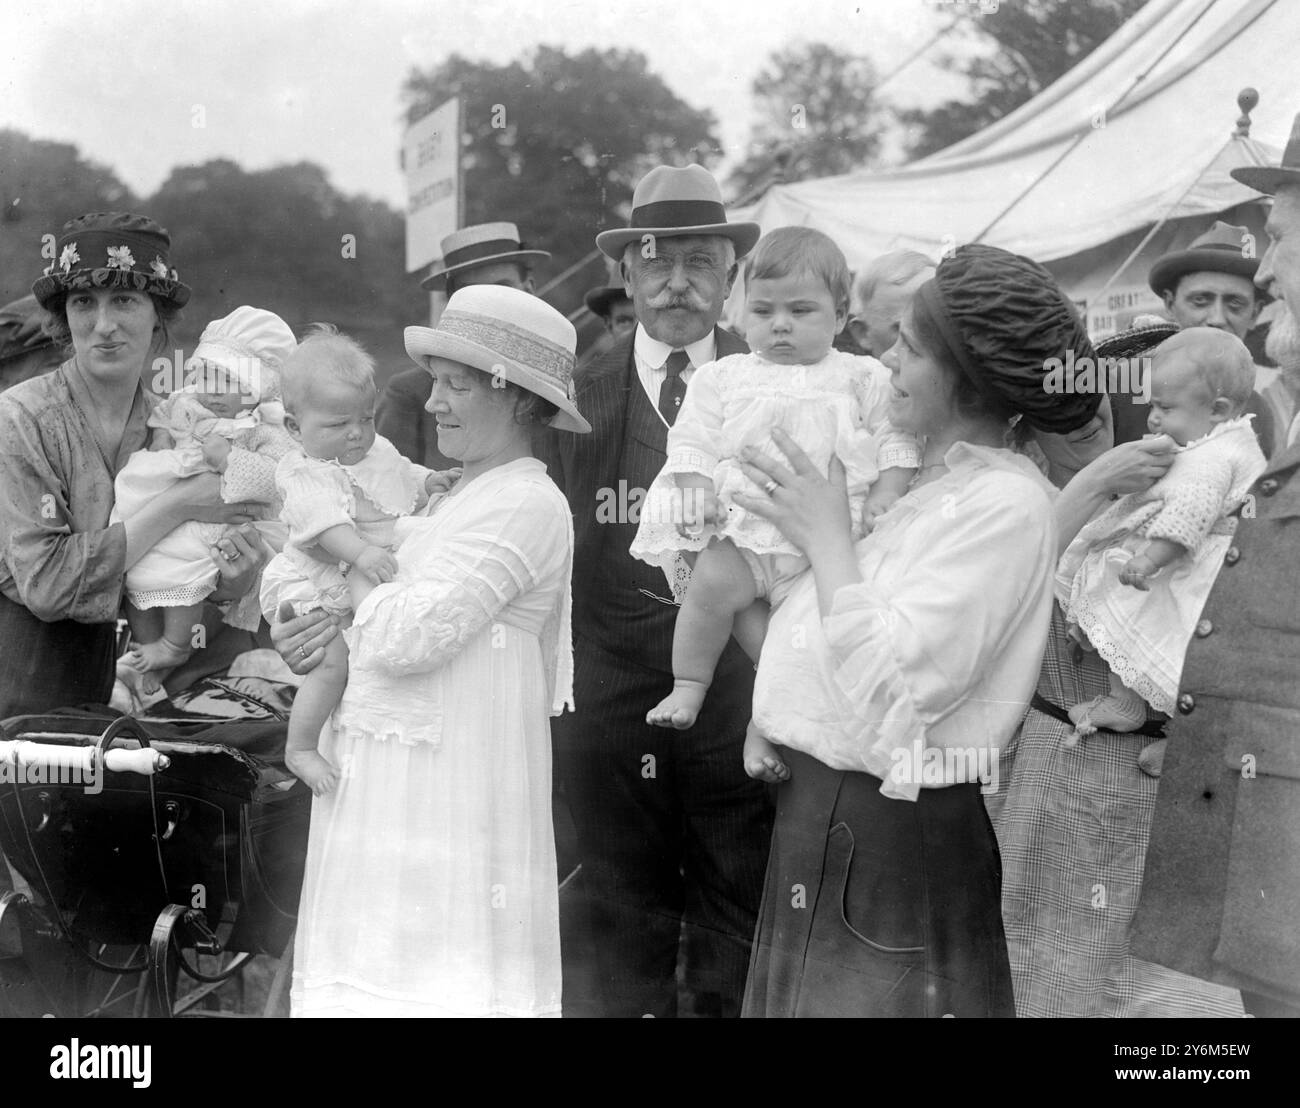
(430, 886)
(109, 294)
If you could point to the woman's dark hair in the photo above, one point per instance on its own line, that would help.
(969, 401)
(55, 323)
(531, 408)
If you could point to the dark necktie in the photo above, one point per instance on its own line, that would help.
(673, 391)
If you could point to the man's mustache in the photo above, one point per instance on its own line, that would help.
(669, 301)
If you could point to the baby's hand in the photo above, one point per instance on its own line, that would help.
(699, 508)
(377, 564)
(1136, 572)
(873, 508)
(441, 481)
(216, 449)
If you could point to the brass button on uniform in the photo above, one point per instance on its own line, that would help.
(1186, 702)
(1203, 628)
(1269, 486)
(1232, 557)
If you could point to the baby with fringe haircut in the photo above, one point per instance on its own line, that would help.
(832, 404)
(343, 490)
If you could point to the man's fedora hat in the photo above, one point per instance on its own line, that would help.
(1269, 178)
(685, 201)
(510, 333)
(482, 244)
(1222, 249)
(111, 250)
(600, 299)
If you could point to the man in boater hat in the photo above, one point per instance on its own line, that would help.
(673, 834)
(485, 254)
(1221, 889)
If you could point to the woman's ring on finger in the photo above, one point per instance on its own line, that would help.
(771, 487)
(302, 653)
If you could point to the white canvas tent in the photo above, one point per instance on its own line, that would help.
(1137, 137)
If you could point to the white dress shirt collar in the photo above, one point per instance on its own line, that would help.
(654, 353)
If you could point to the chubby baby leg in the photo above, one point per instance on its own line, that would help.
(163, 646)
(722, 585)
(763, 759)
(317, 697)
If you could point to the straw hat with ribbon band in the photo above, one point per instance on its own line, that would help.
(482, 244)
(1269, 178)
(1001, 317)
(669, 201)
(1220, 250)
(111, 250)
(252, 344)
(1146, 333)
(506, 331)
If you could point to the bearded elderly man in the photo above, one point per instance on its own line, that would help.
(1221, 889)
(673, 835)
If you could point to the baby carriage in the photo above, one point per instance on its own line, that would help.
(149, 848)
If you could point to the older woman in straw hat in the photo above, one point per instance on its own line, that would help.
(109, 295)
(431, 884)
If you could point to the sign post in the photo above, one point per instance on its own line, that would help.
(431, 161)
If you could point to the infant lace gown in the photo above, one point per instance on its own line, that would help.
(1141, 635)
(430, 885)
(835, 407)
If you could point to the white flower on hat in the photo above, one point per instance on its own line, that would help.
(69, 258)
(119, 257)
(159, 267)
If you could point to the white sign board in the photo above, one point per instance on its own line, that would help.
(1122, 304)
(431, 160)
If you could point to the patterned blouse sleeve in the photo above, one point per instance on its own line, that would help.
(59, 573)
(694, 438)
(452, 585)
(316, 497)
(251, 465)
(1193, 495)
(906, 659)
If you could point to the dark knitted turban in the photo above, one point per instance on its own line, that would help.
(1003, 317)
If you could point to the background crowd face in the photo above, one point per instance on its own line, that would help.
(875, 323)
(678, 292)
(112, 331)
(791, 320)
(621, 319)
(1225, 301)
(509, 274)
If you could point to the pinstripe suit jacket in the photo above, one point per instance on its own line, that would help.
(582, 465)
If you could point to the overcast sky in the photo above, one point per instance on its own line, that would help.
(290, 80)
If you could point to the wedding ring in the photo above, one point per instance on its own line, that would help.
(302, 653)
(771, 487)
(229, 555)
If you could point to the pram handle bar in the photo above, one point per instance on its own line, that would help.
(81, 759)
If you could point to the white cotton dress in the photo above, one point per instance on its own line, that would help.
(430, 885)
(320, 494)
(836, 406)
(178, 570)
(1143, 635)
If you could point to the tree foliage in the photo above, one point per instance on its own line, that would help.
(816, 104)
(1020, 49)
(556, 143)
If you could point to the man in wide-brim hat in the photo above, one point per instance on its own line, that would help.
(484, 254)
(670, 829)
(1221, 889)
(1209, 283)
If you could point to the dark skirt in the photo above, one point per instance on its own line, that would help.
(878, 907)
(52, 665)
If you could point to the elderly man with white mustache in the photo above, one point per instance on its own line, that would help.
(1221, 890)
(673, 834)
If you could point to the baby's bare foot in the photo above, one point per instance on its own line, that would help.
(160, 654)
(762, 761)
(312, 770)
(680, 708)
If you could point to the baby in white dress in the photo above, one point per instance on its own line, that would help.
(343, 491)
(830, 403)
(226, 418)
(1134, 580)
